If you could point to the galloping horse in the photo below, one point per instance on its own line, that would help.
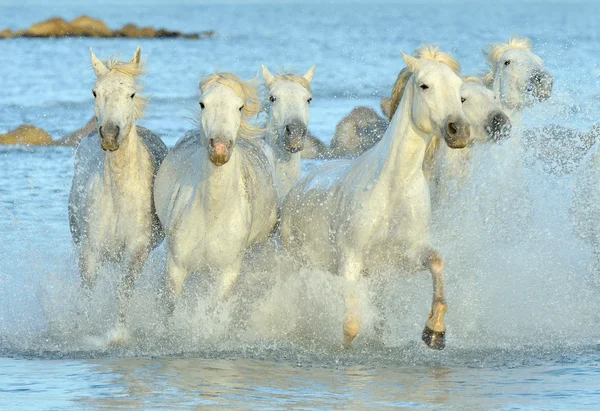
(348, 216)
(111, 209)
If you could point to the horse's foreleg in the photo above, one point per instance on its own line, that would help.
(351, 267)
(89, 261)
(229, 277)
(174, 281)
(135, 264)
(435, 328)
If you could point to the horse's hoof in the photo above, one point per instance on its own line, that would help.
(348, 340)
(435, 340)
(118, 336)
(351, 328)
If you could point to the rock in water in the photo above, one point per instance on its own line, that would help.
(90, 27)
(26, 135)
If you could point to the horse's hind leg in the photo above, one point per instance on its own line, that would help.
(351, 267)
(435, 329)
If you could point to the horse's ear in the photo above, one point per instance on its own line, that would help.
(310, 73)
(386, 106)
(97, 65)
(267, 76)
(137, 57)
(411, 62)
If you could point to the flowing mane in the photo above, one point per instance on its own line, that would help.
(494, 52)
(133, 70)
(247, 91)
(426, 52)
(473, 79)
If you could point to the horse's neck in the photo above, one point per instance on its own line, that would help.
(288, 166)
(216, 185)
(401, 151)
(127, 162)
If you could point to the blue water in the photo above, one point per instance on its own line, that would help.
(523, 320)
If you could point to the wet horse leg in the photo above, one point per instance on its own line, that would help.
(229, 277)
(89, 264)
(174, 281)
(350, 268)
(89, 261)
(135, 264)
(435, 329)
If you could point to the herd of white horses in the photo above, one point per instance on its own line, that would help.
(231, 183)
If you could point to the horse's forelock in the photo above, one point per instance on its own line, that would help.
(494, 52)
(133, 70)
(425, 52)
(247, 91)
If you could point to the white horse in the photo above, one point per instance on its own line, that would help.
(111, 210)
(447, 169)
(215, 193)
(517, 76)
(348, 216)
(287, 124)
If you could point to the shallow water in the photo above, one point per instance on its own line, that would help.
(522, 325)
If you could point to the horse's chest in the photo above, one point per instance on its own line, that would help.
(122, 213)
(213, 234)
(389, 220)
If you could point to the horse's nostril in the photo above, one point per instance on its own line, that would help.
(287, 129)
(230, 143)
(497, 122)
(211, 142)
(452, 129)
(100, 130)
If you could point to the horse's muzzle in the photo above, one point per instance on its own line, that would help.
(295, 136)
(219, 151)
(540, 85)
(498, 126)
(457, 133)
(109, 137)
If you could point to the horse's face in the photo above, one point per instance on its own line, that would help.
(114, 108)
(289, 109)
(436, 107)
(114, 94)
(484, 113)
(220, 119)
(521, 79)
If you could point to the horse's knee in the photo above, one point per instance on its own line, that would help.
(176, 277)
(436, 263)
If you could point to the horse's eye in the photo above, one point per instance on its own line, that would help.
(309, 100)
(241, 108)
(507, 63)
(94, 93)
(462, 99)
(201, 105)
(424, 86)
(272, 98)
(133, 95)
